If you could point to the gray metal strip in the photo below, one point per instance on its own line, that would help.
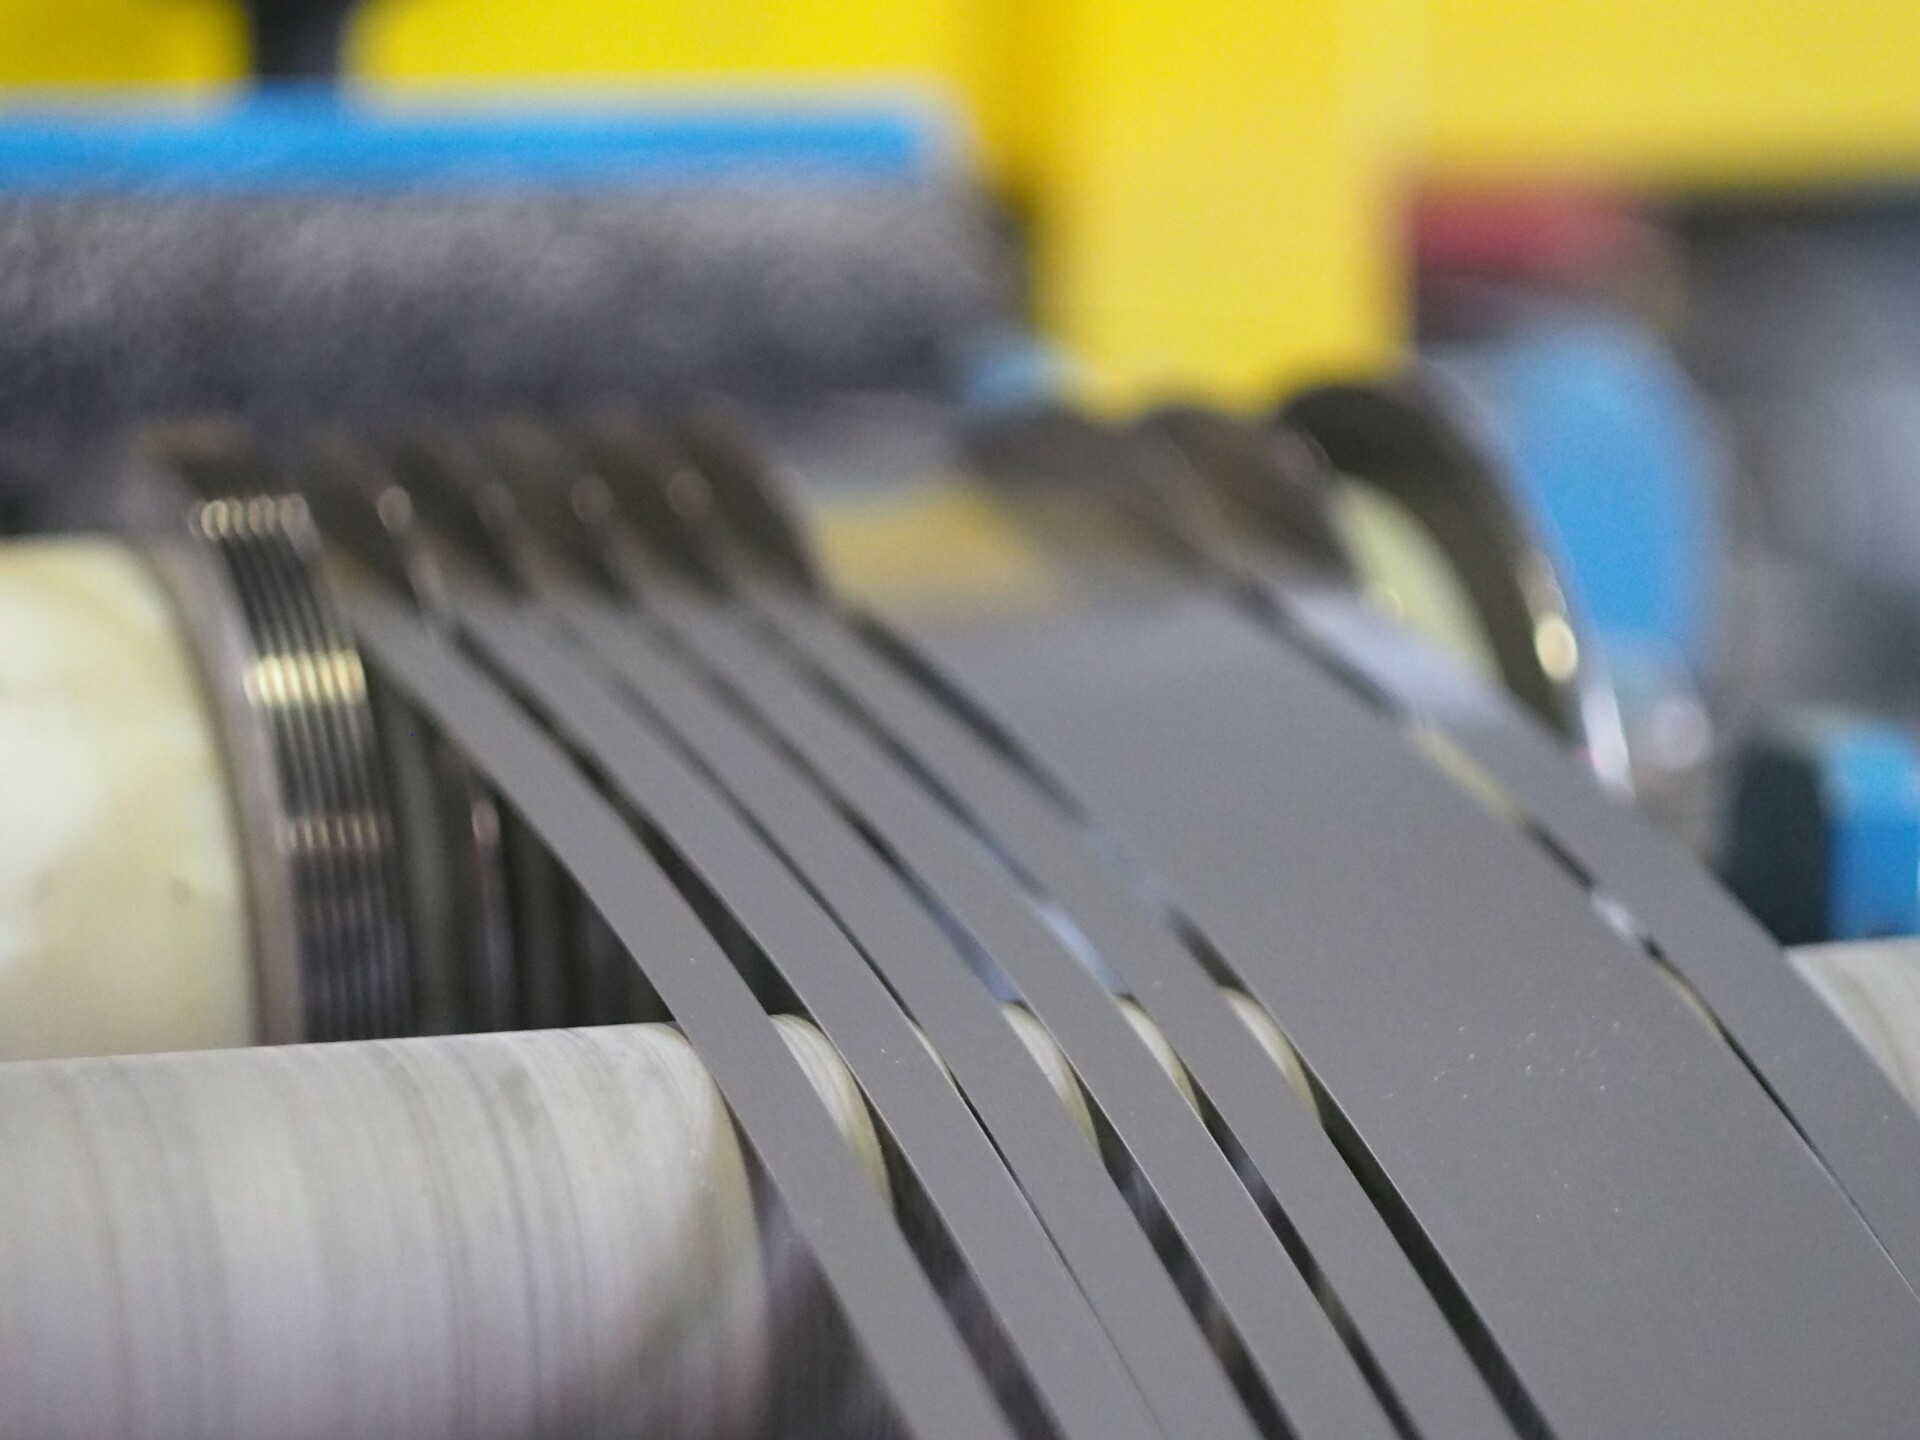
(1287, 1337)
(1642, 1233)
(1123, 1280)
(1842, 1105)
(909, 1341)
(1424, 1367)
(1051, 1332)
(1834, 1094)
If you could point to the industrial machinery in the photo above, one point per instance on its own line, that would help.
(543, 901)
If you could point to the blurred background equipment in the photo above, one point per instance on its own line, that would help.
(820, 719)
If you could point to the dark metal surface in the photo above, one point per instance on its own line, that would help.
(1834, 1094)
(1124, 1282)
(889, 1306)
(1289, 1342)
(1326, 1216)
(1634, 1225)
(1051, 1332)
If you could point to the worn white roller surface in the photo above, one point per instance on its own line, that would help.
(550, 1233)
(123, 912)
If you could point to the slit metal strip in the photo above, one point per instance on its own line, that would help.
(1644, 1236)
(1838, 1098)
(936, 994)
(1124, 1281)
(914, 1352)
(1060, 1345)
(1287, 1337)
(1427, 1371)
(1845, 1109)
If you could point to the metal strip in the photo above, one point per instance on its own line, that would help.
(1835, 1095)
(908, 1339)
(1123, 1280)
(1287, 1336)
(1640, 1230)
(1053, 1335)
(1839, 1102)
(1334, 1223)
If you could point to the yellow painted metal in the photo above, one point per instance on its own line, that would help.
(615, 40)
(188, 43)
(1209, 186)
(1667, 92)
(1213, 192)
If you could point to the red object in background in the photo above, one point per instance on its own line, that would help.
(1557, 237)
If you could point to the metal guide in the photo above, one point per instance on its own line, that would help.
(1332, 1222)
(1638, 1229)
(907, 1337)
(1289, 1342)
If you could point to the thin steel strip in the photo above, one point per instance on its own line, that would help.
(1054, 1336)
(1834, 1094)
(1060, 1173)
(914, 1351)
(1287, 1336)
(1839, 1101)
(1639, 1228)
(1425, 1369)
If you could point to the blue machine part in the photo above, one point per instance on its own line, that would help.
(1011, 371)
(1615, 454)
(1823, 835)
(300, 137)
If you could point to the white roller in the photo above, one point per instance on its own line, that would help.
(123, 908)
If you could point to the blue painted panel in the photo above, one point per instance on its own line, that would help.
(302, 138)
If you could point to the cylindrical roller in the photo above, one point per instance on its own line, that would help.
(503, 1235)
(123, 904)
(1874, 987)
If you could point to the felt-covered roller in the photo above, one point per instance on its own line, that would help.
(539, 1233)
